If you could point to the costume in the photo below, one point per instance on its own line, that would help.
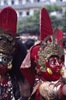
(43, 67)
(11, 80)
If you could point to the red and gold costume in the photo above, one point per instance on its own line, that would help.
(12, 52)
(43, 65)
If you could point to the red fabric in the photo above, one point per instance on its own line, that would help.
(37, 96)
(0, 19)
(29, 75)
(8, 19)
(59, 36)
(45, 24)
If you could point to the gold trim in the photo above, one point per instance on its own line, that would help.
(47, 49)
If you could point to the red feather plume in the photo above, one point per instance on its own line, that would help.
(45, 24)
(8, 19)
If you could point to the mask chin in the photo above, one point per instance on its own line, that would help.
(3, 69)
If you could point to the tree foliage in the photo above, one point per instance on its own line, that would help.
(52, 8)
(32, 24)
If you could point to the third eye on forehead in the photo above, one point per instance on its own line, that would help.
(3, 55)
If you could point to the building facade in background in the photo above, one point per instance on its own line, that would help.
(26, 8)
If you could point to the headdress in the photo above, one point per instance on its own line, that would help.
(63, 41)
(8, 22)
(45, 24)
(47, 49)
(8, 19)
(7, 42)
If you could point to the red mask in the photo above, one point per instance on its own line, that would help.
(54, 64)
(54, 69)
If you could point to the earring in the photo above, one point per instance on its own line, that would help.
(9, 66)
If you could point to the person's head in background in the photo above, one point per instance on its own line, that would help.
(29, 43)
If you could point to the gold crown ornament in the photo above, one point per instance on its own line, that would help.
(49, 47)
(7, 42)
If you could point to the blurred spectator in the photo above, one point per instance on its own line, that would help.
(29, 43)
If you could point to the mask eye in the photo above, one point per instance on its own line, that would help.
(4, 59)
(52, 62)
(49, 71)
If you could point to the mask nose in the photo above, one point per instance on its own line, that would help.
(57, 63)
(57, 70)
(57, 66)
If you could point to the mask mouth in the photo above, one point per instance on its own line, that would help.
(3, 69)
(1, 66)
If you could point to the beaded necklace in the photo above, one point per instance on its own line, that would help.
(6, 89)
